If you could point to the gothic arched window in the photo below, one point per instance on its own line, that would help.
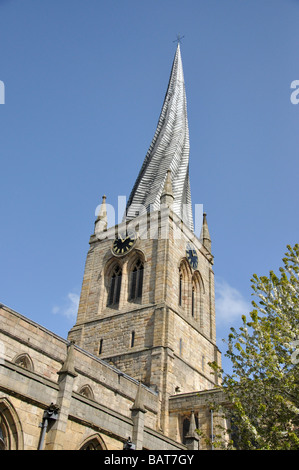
(196, 300)
(184, 284)
(136, 281)
(115, 285)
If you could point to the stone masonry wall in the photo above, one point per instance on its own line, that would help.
(28, 392)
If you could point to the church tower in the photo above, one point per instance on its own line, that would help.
(147, 302)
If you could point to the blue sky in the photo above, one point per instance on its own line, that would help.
(84, 85)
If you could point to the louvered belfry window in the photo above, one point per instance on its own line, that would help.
(136, 281)
(180, 289)
(193, 302)
(115, 285)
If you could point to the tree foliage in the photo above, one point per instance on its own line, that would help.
(262, 391)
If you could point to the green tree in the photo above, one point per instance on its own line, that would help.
(262, 390)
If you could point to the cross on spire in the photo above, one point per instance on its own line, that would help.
(178, 38)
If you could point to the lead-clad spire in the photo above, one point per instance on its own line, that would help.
(169, 150)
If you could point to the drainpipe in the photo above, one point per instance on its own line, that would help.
(212, 430)
(50, 414)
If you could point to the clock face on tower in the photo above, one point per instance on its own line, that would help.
(192, 255)
(123, 243)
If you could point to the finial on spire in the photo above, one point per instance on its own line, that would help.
(101, 222)
(178, 38)
(205, 235)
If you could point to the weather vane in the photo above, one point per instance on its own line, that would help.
(178, 38)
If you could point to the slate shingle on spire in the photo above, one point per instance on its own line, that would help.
(169, 150)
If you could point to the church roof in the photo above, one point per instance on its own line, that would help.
(169, 150)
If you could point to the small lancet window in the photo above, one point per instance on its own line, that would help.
(136, 281)
(115, 285)
(183, 284)
(132, 339)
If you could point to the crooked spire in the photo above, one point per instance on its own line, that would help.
(169, 150)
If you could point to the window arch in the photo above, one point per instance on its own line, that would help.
(136, 281)
(114, 286)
